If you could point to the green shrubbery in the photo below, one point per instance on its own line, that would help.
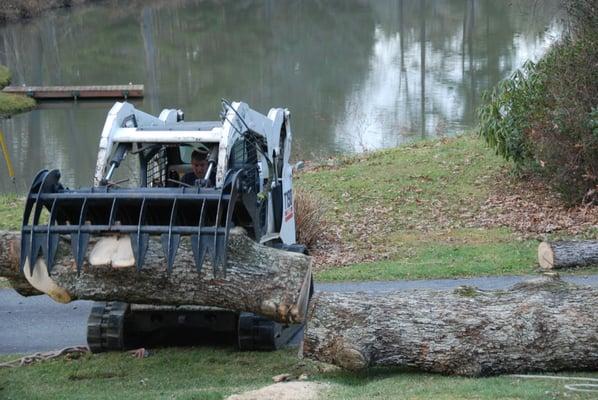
(545, 116)
(4, 76)
(11, 104)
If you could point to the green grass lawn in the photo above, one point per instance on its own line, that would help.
(485, 252)
(11, 104)
(11, 211)
(411, 213)
(205, 373)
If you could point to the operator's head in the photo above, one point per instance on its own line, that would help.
(199, 163)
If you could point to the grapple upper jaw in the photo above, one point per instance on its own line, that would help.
(204, 215)
(37, 242)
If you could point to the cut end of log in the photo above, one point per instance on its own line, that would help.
(545, 256)
(352, 359)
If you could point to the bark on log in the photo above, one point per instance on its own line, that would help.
(9, 263)
(568, 254)
(259, 279)
(541, 325)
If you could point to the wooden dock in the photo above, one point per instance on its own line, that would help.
(78, 92)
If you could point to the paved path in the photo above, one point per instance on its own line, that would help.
(30, 324)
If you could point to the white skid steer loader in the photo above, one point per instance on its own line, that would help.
(247, 183)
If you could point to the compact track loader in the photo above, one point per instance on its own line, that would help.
(247, 183)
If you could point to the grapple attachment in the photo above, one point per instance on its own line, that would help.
(202, 214)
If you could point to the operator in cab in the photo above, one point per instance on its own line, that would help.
(199, 167)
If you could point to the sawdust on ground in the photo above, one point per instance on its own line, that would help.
(284, 391)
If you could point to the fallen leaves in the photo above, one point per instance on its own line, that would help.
(531, 209)
(528, 208)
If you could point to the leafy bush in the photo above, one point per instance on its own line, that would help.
(511, 107)
(544, 117)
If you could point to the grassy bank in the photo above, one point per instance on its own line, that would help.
(11, 104)
(435, 209)
(202, 373)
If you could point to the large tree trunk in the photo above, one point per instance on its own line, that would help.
(542, 325)
(259, 279)
(568, 254)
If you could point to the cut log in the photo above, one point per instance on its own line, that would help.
(9, 263)
(259, 279)
(541, 325)
(568, 254)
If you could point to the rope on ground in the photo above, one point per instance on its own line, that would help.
(574, 387)
(28, 360)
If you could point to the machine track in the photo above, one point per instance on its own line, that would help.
(115, 326)
(105, 326)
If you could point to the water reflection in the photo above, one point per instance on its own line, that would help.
(356, 74)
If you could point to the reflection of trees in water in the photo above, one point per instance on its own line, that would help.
(302, 55)
(443, 54)
(189, 55)
(326, 61)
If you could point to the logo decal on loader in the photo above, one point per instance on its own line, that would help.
(288, 205)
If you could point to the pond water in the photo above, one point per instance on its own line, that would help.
(356, 74)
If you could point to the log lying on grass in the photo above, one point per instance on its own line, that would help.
(259, 279)
(568, 254)
(542, 325)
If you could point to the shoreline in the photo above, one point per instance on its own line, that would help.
(18, 10)
(11, 104)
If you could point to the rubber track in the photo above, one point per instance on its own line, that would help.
(105, 326)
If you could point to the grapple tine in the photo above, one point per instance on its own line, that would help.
(26, 232)
(51, 239)
(217, 247)
(170, 241)
(140, 240)
(37, 240)
(219, 256)
(207, 244)
(170, 244)
(25, 248)
(112, 216)
(139, 243)
(222, 241)
(199, 251)
(214, 248)
(81, 249)
(80, 241)
(38, 244)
